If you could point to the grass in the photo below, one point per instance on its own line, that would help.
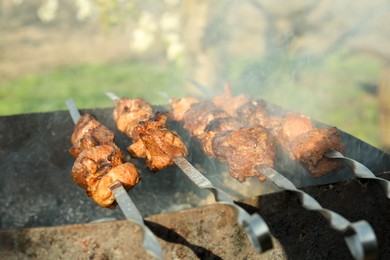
(87, 84)
(325, 89)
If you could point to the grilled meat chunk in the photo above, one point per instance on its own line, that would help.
(128, 112)
(195, 114)
(293, 125)
(256, 113)
(206, 119)
(303, 142)
(228, 102)
(309, 149)
(161, 145)
(88, 132)
(180, 106)
(244, 150)
(126, 173)
(93, 137)
(93, 163)
(215, 127)
(84, 125)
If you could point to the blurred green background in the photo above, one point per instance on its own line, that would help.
(264, 49)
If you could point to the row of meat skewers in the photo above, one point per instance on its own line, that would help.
(236, 130)
(240, 132)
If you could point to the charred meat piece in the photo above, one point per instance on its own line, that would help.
(126, 173)
(91, 164)
(256, 113)
(196, 113)
(228, 102)
(88, 132)
(303, 142)
(244, 150)
(128, 112)
(206, 119)
(216, 126)
(293, 125)
(181, 106)
(137, 149)
(93, 137)
(309, 149)
(161, 145)
(84, 125)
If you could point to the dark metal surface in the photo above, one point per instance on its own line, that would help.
(36, 190)
(211, 232)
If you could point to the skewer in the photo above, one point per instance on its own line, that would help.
(360, 170)
(359, 236)
(205, 90)
(255, 227)
(129, 209)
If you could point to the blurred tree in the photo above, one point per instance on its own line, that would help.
(384, 106)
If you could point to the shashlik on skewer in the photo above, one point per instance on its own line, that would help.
(99, 162)
(359, 236)
(114, 184)
(294, 133)
(151, 139)
(162, 148)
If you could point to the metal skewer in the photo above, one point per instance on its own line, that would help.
(361, 242)
(125, 203)
(254, 226)
(360, 170)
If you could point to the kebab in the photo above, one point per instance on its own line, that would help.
(100, 170)
(234, 146)
(247, 128)
(99, 162)
(163, 147)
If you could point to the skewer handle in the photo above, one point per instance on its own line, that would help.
(131, 212)
(362, 242)
(255, 227)
(360, 170)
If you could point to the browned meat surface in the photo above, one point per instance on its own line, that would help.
(93, 137)
(85, 124)
(91, 164)
(254, 113)
(293, 125)
(180, 106)
(137, 149)
(206, 119)
(161, 145)
(216, 126)
(230, 103)
(128, 112)
(244, 150)
(309, 148)
(196, 113)
(126, 173)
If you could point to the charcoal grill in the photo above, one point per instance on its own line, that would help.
(43, 214)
